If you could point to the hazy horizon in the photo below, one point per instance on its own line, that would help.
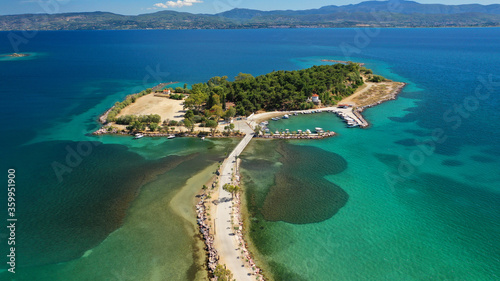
(133, 7)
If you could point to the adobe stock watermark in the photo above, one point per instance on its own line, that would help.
(16, 39)
(454, 118)
(75, 155)
(12, 220)
(364, 35)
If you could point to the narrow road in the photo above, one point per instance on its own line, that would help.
(226, 241)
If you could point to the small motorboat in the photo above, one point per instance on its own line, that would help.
(171, 137)
(286, 116)
(138, 136)
(202, 138)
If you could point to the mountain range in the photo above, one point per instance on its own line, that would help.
(392, 13)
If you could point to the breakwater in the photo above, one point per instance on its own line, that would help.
(207, 236)
(297, 136)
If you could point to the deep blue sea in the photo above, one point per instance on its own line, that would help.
(416, 196)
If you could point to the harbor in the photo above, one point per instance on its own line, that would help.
(347, 113)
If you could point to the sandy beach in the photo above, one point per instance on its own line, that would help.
(150, 104)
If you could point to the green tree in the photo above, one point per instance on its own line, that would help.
(222, 273)
(243, 76)
(233, 189)
(153, 127)
(212, 124)
(377, 78)
(257, 130)
(136, 126)
(189, 124)
(196, 99)
(230, 113)
(189, 114)
(217, 111)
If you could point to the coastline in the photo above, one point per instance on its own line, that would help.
(102, 118)
(259, 259)
(219, 249)
(190, 193)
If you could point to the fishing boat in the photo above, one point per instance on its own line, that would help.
(286, 116)
(138, 136)
(318, 130)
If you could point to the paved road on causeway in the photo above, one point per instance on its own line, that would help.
(226, 241)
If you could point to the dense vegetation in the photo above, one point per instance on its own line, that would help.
(370, 13)
(207, 103)
(278, 90)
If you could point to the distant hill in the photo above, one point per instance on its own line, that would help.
(370, 13)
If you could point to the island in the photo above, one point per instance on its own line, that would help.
(242, 108)
(16, 55)
(220, 108)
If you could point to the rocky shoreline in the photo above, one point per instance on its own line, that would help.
(243, 244)
(208, 238)
(297, 136)
(392, 96)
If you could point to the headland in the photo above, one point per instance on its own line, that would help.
(220, 108)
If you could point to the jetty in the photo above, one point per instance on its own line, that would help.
(228, 240)
(160, 86)
(343, 62)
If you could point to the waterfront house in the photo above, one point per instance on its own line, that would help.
(315, 99)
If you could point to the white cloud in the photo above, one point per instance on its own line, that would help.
(177, 4)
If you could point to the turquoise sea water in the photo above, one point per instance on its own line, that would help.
(375, 206)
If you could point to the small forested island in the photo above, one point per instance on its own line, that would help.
(209, 108)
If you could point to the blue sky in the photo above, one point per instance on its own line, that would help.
(134, 7)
